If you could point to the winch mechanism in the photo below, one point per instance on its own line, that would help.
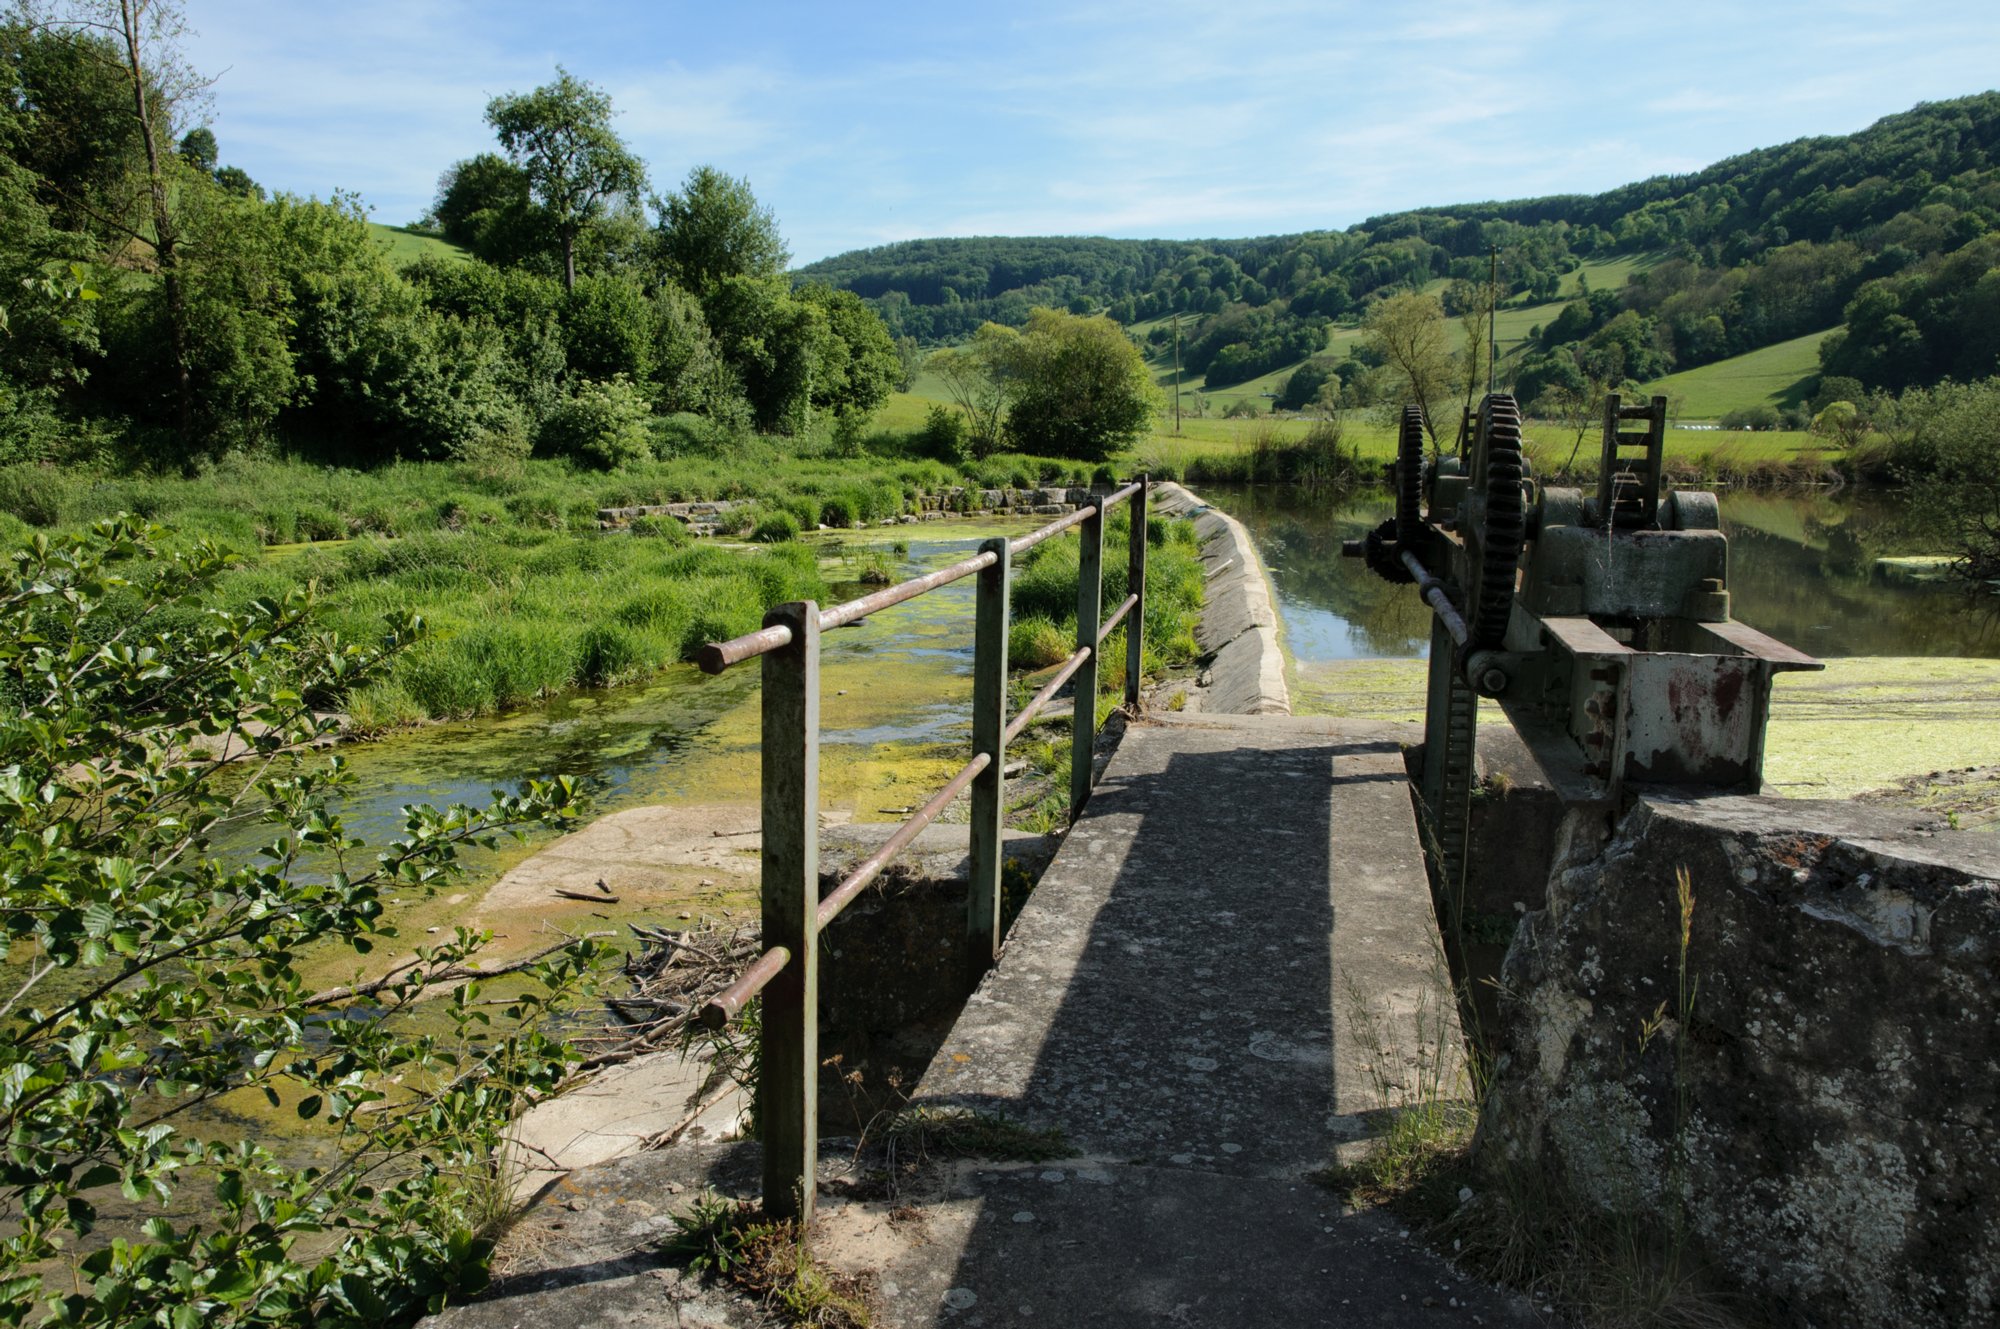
(1600, 623)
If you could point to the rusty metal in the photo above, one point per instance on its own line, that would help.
(1048, 693)
(714, 657)
(727, 1004)
(841, 615)
(1077, 518)
(1498, 524)
(794, 913)
(1435, 595)
(1117, 617)
(1601, 623)
(871, 867)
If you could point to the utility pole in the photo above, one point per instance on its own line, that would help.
(1492, 314)
(1177, 374)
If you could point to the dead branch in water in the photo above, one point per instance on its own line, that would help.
(457, 973)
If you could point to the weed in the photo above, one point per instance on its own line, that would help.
(737, 1051)
(710, 1235)
(917, 1133)
(769, 1260)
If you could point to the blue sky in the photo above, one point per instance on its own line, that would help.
(862, 124)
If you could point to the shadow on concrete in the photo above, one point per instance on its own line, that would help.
(1176, 999)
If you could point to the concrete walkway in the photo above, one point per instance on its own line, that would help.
(1227, 971)
(1225, 976)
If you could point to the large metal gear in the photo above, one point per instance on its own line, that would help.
(1502, 491)
(1410, 476)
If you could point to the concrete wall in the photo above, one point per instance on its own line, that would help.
(1243, 669)
(1823, 1108)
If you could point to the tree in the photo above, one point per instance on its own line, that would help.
(483, 205)
(714, 229)
(776, 345)
(560, 135)
(1081, 388)
(154, 977)
(1409, 331)
(137, 40)
(1475, 302)
(979, 377)
(199, 149)
(861, 366)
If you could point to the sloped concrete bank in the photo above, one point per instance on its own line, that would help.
(1243, 671)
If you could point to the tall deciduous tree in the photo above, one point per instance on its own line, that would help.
(714, 229)
(561, 135)
(139, 40)
(1409, 330)
(980, 378)
(1081, 388)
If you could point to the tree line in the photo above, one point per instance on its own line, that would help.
(157, 307)
(1887, 231)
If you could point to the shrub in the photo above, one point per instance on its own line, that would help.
(775, 528)
(1241, 409)
(670, 529)
(1037, 643)
(840, 511)
(603, 425)
(944, 436)
(1754, 417)
(608, 653)
(112, 881)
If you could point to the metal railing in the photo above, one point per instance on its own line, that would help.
(794, 913)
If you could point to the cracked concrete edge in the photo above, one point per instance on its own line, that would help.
(1239, 624)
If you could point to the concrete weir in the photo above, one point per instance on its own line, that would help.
(1228, 978)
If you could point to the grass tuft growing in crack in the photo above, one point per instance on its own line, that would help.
(768, 1259)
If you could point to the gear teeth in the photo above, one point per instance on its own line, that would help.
(1506, 522)
(1410, 474)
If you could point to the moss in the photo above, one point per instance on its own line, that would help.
(1832, 734)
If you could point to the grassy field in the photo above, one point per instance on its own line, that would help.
(1512, 326)
(407, 246)
(1776, 376)
(1214, 448)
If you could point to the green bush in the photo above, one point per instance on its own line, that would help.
(670, 529)
(603, 425)
(840, 511)
(161, 965)
(944, 436)
(1038, 643)
(775, 528)
(608, 653)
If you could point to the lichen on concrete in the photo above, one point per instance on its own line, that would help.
(1821, 1102)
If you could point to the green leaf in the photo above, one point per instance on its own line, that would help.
(309, 1106)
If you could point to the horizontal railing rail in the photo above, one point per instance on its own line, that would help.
(786, 974)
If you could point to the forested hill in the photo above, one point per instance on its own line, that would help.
(1894, 231)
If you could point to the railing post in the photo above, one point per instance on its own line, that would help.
(1135, 584)
(989, 724)
(788, 1085)
(1089, 617)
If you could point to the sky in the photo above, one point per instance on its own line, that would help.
(861, 124)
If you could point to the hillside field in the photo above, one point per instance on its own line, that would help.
(407, 246)
(1776, 376)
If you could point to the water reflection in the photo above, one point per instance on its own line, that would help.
(1802, 568)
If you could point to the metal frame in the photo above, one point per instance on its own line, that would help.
(794, 912)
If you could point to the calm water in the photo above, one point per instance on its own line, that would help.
(895, 684)
(1801, 568)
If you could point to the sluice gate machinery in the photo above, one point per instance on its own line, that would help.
(1599, 622)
